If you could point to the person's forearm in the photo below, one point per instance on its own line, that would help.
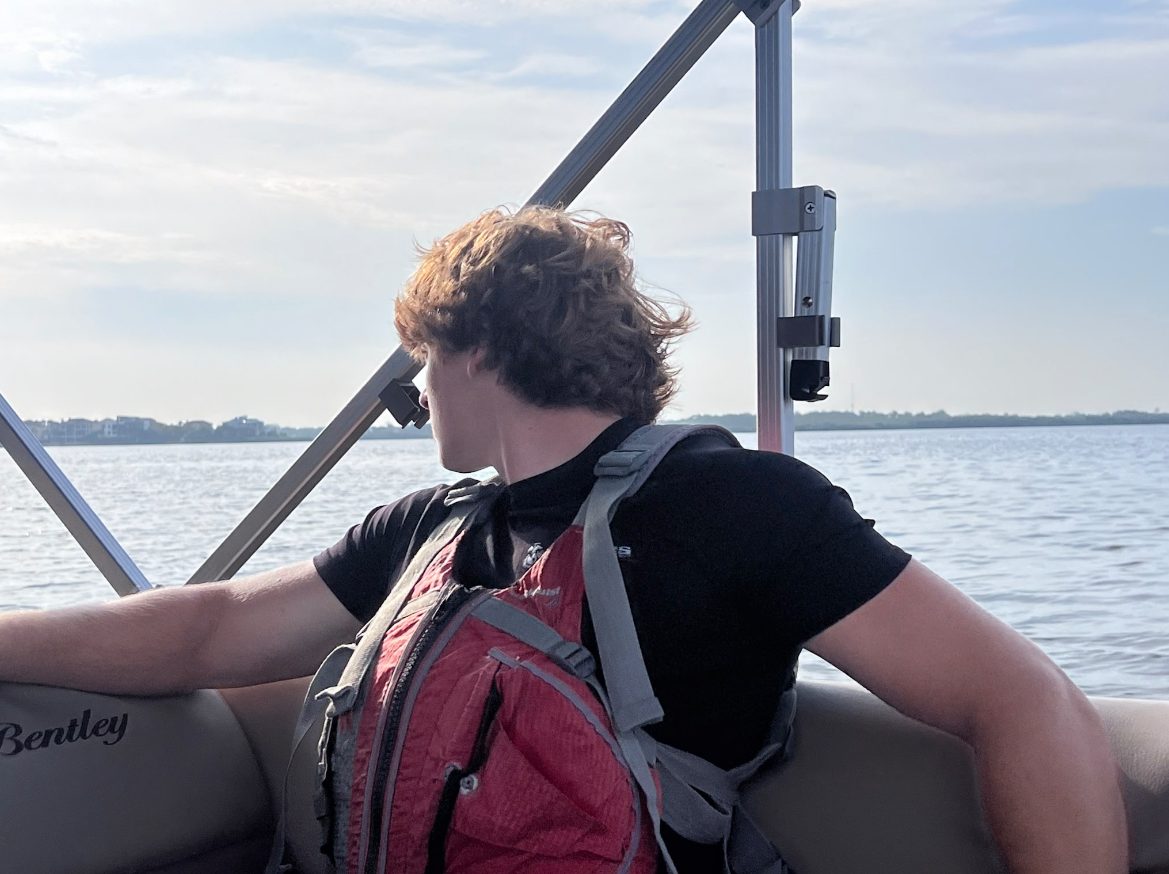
(1050, 786)
(146, 644)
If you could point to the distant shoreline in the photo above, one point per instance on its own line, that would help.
(127, 431)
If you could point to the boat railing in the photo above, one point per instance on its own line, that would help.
(779, 326)
(58, 492)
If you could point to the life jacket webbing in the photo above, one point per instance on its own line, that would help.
(463, 502)
(628, 690)
(573, 657)
(620, 473)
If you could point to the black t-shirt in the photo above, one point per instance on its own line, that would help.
(734, 558)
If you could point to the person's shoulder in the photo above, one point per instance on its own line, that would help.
(409, 510)
(705, 478)
(711, 457)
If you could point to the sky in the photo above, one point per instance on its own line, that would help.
(206, 208)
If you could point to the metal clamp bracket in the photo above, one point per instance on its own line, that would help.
(808, 214)
(401, 398)
(807, 332)
(788, 210)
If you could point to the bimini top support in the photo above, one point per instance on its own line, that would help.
(773, 252)
(647, 90)
(782, 332)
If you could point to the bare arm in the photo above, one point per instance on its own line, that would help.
(256, 629)
(1048, 781)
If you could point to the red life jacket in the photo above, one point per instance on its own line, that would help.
(469, 729)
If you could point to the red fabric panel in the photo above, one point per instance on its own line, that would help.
(551, 795)
(392, 649)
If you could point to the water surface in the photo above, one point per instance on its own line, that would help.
(1062, 532)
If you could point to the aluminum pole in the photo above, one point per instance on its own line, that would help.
(773, 253)
(64, 500)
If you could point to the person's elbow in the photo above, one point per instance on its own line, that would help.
(1036, 697)
(200, 660)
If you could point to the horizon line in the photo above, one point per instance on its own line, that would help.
(1156, 411)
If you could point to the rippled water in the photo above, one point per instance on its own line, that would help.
(1063, 532)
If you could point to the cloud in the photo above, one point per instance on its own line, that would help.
(72, 26)
(548, 64)
(245, 153)
(16, 139)
(382, 48)
(920, 94)
(58, 243)
(293, 151)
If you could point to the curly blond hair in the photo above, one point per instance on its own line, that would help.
(552, 299)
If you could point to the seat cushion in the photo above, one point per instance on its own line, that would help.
(871, 790)
(96, 783)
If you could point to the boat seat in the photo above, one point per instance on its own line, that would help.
(873, 792)
(869, 790)
(96, 784)
(189, 786)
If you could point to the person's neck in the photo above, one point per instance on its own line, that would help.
(532, 440)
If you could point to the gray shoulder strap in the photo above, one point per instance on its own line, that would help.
(310, 710)
(462, 503)
(620, 473)
(699, 799)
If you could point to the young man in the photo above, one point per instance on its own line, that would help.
(542, 355)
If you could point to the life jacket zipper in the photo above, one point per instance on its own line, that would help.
(384, 744)
(455, 782)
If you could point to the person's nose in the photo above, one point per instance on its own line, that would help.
(424, 400)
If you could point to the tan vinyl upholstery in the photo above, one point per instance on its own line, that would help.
(268, 714)
(869, 790)
(178, 782)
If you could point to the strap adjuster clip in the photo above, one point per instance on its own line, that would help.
(574, 658)
(340, 699)
(620, 462)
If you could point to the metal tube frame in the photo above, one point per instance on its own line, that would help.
(656, 80)
(773, 252)
(355, 418)
(665, 69)
(58, 492)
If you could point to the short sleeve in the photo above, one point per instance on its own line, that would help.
(823, 559)
(360, 567)
(787, 544)
(840, 563)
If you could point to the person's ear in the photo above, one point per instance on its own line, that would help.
(476, 362)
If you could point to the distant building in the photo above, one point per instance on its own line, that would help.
(241, 428)
(129, 424)
(195, 431)
(76, 430)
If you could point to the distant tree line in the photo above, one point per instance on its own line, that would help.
(829, 420)
(244, 429)
(135, 430)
